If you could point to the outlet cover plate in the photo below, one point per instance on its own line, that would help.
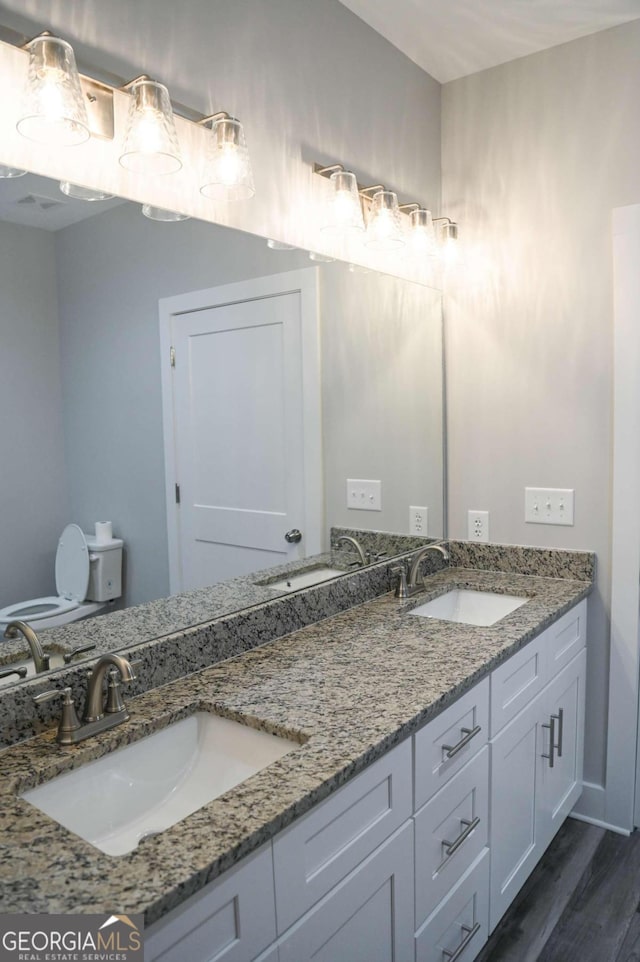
(364, 495)
(418, 521)
(478, 525)
(549, 505)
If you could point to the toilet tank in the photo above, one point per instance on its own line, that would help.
(105, 569)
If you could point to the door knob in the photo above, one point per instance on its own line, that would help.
(293, 536)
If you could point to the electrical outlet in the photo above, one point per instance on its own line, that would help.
(478, 525)
(364, 495)
(418, 521)
(548, 505)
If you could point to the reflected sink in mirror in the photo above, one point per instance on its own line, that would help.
(469, 607)
(146, 787)
(306, 578)
(56, 660)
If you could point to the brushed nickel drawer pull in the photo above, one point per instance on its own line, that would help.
(451, 847)
(468, 734)
(552, 740)
(468, 935)
(560, 719)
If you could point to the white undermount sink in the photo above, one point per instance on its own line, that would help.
(305, 579)
(144, 788)
(469, 607)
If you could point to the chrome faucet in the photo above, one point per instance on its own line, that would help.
(417, 559)
(98, 714)
(16, 628)
(408, 585)
(354, 544)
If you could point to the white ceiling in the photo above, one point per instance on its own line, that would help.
(453, 38)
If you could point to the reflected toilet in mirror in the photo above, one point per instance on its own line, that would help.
(88, 573)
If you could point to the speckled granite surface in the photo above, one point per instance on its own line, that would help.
(353, 686)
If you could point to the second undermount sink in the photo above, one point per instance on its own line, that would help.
(305, 578)
(148, 786)
(469, 607)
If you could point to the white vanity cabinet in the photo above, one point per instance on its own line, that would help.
(417, 857)
(536, 757)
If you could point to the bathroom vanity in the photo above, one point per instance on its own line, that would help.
(369, 828)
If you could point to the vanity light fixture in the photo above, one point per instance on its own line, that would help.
(228, 174)
(151, 141)
(78, 192)
(384, 231)
(161, 214)
(54, 111)
(7, 172)
(344, 208)
(448, 239)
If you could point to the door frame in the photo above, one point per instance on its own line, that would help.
(303, 281)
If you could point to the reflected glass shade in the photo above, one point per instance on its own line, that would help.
(344, 210)
(161, 214)
(7, 172)
(422, 236)
(384, 230)
(228, 174)
(151, 142)
(53, 111)
(83, 193)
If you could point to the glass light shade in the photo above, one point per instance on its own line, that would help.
(320, 258)
(449, 243)
(228, 174)
(83, 193)
(7, 172)
(151, 142)
(54, 111)
(344, 210)
(384, 230)
(276, 245)
(161, 214)
(422, 234)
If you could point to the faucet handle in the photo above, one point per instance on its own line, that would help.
(115, 702)
(80, 650)
(68, 720)
(402, 590)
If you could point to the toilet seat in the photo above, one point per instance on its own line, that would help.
(72, 581)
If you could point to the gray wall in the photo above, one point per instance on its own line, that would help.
(33, 496)
(536, 153)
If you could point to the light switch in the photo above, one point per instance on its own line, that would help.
(548, 505)
(364, 495)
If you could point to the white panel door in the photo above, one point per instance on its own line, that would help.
(238, 420)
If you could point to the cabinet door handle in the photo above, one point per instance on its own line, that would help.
(560, 720)
(552, 740)
(468, 935)
(468, 734)
(451, 847)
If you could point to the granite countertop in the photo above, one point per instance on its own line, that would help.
(346, 689)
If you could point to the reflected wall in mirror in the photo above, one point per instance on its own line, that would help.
(82, 424)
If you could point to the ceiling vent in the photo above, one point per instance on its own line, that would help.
(41, 203)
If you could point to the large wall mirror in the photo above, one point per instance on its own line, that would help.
(81, 387)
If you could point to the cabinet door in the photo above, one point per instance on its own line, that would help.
(561, 785)
(368, 917)
(514, 838)
(232, 919)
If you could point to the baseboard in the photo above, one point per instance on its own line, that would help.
(598, 822)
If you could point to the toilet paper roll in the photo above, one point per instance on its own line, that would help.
(104, 531)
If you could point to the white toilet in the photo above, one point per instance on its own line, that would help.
(88, 576)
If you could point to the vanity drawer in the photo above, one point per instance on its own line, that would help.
(566, 638)
(457, 815)
(321, 848)
(447, 743)
(462, 918)
(517, 681)
(231, 920)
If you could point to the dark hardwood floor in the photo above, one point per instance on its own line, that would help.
(581, 904)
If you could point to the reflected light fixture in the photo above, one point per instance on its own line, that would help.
(162, 214)
(344, 208)
(320, 258)
(422, 234)
(448, 238)
(54, 111)
(7, 172)
(78, 192)
(151, 141)
(228, 174)
(384, 229)
(276, 245)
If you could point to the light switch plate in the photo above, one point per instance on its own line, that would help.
(364, 495)
(548, 505)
